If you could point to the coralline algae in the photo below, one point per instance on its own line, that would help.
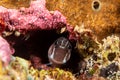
(34, 17)
(5, 51)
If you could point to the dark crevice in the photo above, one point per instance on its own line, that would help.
(38, 44)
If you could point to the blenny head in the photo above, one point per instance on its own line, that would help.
(60, 51)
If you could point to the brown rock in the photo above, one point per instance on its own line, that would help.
(102, 16)
(15, 3)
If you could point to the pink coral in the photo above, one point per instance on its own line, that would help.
(5, 51)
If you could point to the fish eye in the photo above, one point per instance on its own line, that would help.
(63, 42)
(60, 41)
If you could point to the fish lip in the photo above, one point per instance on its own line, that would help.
(60, 62)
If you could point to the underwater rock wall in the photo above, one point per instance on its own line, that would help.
(101, 16)
(15, 3)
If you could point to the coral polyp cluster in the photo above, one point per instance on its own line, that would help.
(110, 49)
(110, 53)
(104, 60)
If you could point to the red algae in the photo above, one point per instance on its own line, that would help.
(32, 18)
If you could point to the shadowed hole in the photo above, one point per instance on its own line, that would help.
(96, 5)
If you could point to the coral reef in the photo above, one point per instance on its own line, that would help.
(86, 41)
(104, 61)
(103, 64)
(85, 23)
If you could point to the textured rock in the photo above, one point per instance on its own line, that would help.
(15, 3)
(102, 16)
(34, 17)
